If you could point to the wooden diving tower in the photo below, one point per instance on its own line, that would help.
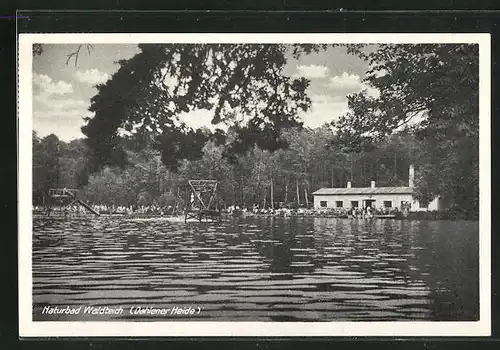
(201, 201)
(64, 198)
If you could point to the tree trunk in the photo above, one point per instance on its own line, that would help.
(257, 194)
(233, 189)
(272, 194)
(363, 172)
(298, 193)
(286, 192)
(242, 192)
(305, 196)
(395, 165)
(351, 165)
(332, 178)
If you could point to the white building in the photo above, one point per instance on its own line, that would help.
(374, 197)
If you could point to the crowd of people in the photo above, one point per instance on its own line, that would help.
(316, 212)
(232, 210)
(153, 210)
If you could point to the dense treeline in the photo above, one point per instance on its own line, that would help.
(425, 112)
(258, 177)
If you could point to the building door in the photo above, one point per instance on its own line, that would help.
(369, 203)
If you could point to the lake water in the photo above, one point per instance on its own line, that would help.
(258, 269)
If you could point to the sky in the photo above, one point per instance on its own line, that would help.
(62, 91)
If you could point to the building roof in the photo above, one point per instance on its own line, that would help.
(364, 190)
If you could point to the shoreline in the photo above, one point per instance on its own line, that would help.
(412, 216)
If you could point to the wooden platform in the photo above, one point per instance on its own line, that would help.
(201, 201)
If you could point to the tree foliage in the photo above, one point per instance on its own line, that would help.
(434, 91)
(148, 94)
(293, 173)
(438, 83)
(421, 108)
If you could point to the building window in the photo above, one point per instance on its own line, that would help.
(354, 204)
(423, 205)
(387, 204)
(339, 204)
(322, 204)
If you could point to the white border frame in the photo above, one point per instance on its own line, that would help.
(29, 328)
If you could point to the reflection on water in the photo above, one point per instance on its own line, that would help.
(260, 269)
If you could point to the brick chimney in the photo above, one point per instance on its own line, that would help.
(411, 176)
(373, 184)
(348, 184)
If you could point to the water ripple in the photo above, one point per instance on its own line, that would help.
(297, 269)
